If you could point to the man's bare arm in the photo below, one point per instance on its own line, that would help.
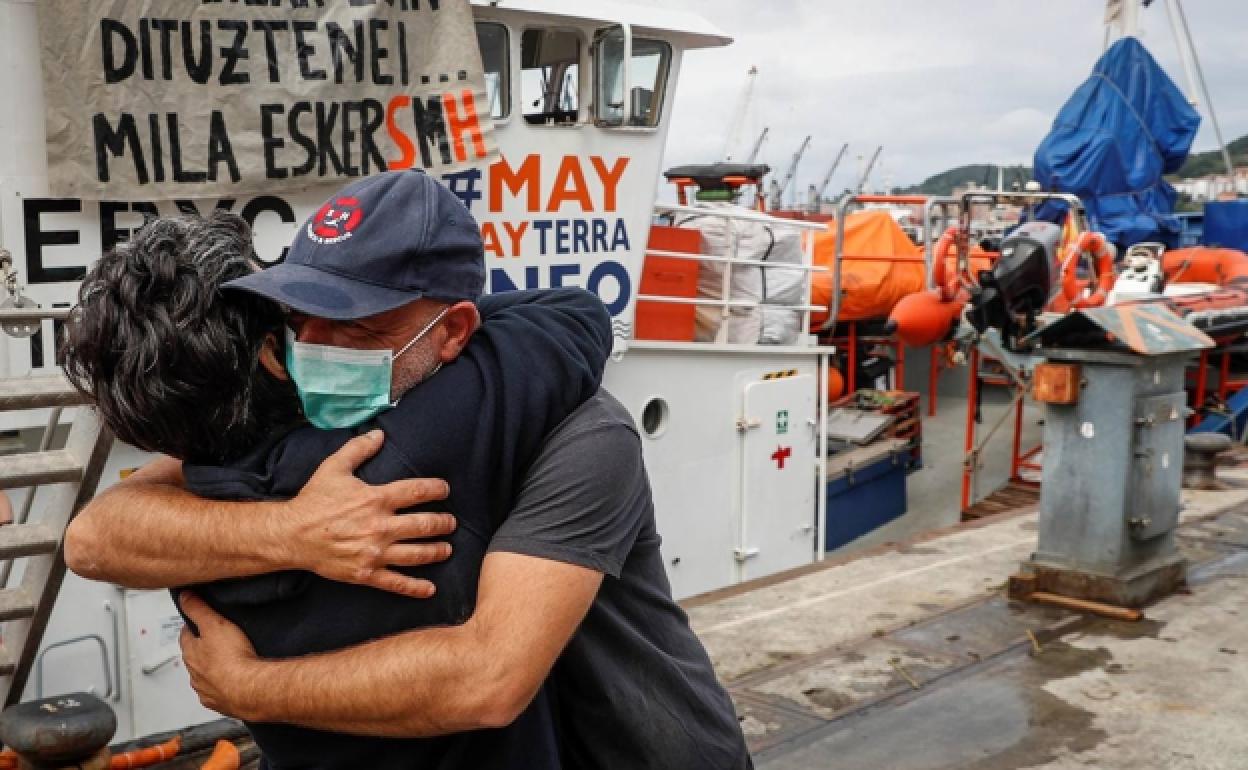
(149, 532)
(426, 682)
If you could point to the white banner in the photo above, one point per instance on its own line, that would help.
(165, 99)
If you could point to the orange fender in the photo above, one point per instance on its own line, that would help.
(924, 318)
(225, 756)
(148, 756)
(1103, 252)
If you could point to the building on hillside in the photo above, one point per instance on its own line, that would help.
(1214, 186)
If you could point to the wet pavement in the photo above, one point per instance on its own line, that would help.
(911, 658)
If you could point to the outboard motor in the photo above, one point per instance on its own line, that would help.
(1018, 286)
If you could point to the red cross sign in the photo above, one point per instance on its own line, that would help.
(780, 455)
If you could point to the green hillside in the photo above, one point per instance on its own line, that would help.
(1204, 163)
(1197, 165)
(979, 173)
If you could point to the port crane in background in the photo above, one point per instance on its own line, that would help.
(817, 192)
(758, 145)
(866, 172)
(739, 115)
(778, 189)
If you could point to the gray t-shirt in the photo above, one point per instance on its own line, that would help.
(634, 688)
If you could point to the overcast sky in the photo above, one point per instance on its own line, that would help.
(939, 83)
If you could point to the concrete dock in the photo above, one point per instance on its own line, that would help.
(909, 657)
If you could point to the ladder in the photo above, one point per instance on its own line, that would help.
(65, 479)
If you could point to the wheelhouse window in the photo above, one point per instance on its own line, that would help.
(648, 72)
(492, 40)
(550, 76)
(631, 96)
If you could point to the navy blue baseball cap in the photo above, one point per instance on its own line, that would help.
(379, 243)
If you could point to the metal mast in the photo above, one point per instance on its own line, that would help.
(1123, 17)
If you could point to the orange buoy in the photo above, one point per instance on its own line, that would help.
(922, 318)
(836, 383)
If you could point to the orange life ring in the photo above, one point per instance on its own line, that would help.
(1103, 253)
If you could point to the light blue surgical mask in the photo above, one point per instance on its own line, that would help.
(343, 387)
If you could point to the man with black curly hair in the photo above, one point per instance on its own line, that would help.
(171, 363)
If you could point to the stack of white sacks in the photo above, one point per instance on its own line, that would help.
(774, 322)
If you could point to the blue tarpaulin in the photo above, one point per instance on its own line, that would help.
(1226, 225)
(1126, 126)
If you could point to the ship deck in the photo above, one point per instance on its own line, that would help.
(910, 657)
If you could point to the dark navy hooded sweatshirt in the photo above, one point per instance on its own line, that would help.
(478, 423)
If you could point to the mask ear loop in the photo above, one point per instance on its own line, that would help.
(414, 340)
(422, 332)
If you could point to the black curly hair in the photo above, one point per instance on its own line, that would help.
(170, 361)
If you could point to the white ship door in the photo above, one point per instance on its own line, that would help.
(777, 514)
(160, 689)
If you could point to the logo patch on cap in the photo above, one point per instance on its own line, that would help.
(335, 221)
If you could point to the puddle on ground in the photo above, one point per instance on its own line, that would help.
(828, 698)
(1053, 725)
(1145, 628)
(997, 718)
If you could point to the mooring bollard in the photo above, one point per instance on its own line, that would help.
(59, 732)
(1200, 459)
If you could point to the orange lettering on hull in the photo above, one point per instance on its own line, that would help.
(526, 180)
(570, 186)
(610, 179)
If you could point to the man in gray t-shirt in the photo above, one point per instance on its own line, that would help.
(634, 687)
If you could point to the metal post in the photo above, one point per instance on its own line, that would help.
(821, 495)
(725, 292)
(928, 207)
(1224, 376)
(1202, 385)
(808, 261)
(899, 369)
(933, 374)
(969, 461)
(852, 378)
(1015, 458)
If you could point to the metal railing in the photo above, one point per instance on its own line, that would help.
(731, 261)
(943, 202)
(842, 211)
